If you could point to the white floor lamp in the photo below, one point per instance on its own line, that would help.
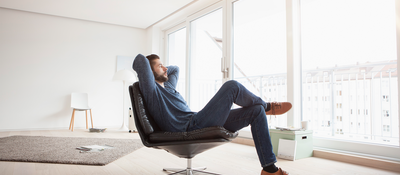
(124, 75)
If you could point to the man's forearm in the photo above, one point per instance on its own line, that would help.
(173, 75)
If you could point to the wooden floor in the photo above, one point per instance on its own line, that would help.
(230, 158)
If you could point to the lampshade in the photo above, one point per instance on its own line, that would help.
(124, 75)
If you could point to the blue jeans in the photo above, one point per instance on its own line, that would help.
(218, 113)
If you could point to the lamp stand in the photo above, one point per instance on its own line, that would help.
(123, 127)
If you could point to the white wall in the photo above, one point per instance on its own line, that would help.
(45, 58)
(155, 41)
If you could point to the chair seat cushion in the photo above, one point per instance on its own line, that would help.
(215, 132)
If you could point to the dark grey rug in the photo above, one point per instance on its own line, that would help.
(63, 149)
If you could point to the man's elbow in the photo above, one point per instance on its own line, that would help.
(139, 58)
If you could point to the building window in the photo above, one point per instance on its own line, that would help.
(385, 98)
(386, 113)
(386, 128)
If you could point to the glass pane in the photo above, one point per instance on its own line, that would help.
(350, 69)
(206, 53)
(177, 56)
(259, 50)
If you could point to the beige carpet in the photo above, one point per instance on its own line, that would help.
(63, 149)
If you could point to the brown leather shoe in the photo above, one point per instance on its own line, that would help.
(279, 172)
(279, 108)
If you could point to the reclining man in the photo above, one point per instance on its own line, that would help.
(171, 113)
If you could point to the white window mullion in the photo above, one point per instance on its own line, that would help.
(397, 4)
(187, 81)
(227, 38)
(293, 62)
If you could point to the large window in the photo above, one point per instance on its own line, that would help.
(335, 60)
(350, 69)
(259, 50)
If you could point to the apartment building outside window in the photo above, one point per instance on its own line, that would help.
(355, 55)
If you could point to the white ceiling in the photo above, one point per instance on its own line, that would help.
(132, 13)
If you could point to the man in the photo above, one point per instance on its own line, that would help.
(171, 113)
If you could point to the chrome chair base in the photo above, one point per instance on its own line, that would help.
(189, 170)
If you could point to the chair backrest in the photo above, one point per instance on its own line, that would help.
(143, 121)
(79, 100)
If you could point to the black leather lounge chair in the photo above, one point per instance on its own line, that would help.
(181, 144)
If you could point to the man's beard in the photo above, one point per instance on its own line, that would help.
(160, 78)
